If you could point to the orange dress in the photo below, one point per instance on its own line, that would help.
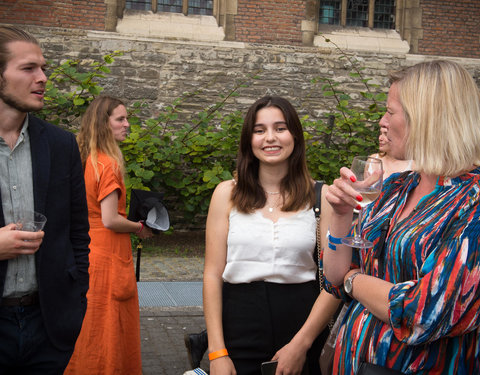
(109, 342)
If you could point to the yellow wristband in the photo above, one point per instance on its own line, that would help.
(217, 354)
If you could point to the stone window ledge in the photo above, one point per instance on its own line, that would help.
(170, 26)
(363, 40)
(113, 40)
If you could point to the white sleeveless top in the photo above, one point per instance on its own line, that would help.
(260, 250)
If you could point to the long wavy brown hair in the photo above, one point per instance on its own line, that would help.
(296, 187)
(95, 134)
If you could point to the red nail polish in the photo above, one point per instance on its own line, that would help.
(353, 179)
(358, 207)
(359, 198)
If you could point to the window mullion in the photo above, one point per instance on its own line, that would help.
(185, 7)
(154, 6)
(343, 16)
(371, 13)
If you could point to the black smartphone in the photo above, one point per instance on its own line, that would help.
(268, 368)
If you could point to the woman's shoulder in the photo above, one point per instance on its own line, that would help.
(221, 202)
(103, 165)
(224, 189)
(105, 159)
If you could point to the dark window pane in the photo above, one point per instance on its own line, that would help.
(330, 12)
(172, 6)
(357, 13)
(139, 4)
(204, 7)
(384, 17)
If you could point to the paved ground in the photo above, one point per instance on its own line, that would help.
(163, 327)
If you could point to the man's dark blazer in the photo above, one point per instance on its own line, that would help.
(62, 259)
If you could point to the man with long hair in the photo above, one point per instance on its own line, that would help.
(43, 275)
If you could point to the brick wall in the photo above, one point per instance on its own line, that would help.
(270, 21)
(450, 28)
(80, 14)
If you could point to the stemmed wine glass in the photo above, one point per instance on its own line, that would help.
(369, 174)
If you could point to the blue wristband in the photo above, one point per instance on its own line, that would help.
(332, 246)
(332, 241)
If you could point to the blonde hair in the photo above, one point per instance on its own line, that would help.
(95, 134)
(441, 102)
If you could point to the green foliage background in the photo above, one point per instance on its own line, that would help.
(187, 159)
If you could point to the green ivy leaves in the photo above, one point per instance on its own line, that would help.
(187, 160)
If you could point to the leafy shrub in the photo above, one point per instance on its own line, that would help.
(187, 160)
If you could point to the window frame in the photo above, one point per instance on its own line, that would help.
(154, 4)
(371, 15)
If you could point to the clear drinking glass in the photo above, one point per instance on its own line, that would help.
(31, 221)
(369, 174)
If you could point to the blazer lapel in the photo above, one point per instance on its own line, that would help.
(40, 151)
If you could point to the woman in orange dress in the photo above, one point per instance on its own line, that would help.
(109, 342)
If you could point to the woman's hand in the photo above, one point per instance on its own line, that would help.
(145, 232)
(341, 195)
(291, 359)
(343, 198)
(222, 366)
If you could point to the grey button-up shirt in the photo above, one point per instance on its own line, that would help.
(16, 185)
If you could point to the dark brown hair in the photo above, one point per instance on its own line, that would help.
(296, 187)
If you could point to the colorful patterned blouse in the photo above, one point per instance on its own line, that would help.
(433, 258)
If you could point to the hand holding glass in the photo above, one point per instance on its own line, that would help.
(369, 180)
(31, 221)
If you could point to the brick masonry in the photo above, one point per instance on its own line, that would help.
(270, 21)
(81, 14)
(450, 28)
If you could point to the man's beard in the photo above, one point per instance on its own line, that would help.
(14, 102)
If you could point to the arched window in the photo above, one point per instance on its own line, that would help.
(378, 14)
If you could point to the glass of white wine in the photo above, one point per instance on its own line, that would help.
(369, 174)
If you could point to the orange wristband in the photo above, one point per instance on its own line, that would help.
(217, 354)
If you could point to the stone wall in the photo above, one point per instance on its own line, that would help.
(158, 71)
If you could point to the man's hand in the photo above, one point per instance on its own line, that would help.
(17, 242)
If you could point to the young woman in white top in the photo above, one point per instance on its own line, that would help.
(260, 293)
(390, 164)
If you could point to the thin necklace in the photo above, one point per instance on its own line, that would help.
(275, 204)
(272, 192)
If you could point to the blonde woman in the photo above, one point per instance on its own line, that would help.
(109, 342)
(415, 300)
